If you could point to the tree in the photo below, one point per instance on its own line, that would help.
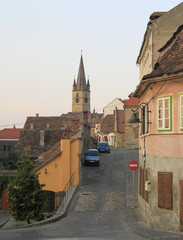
(25, 194)
(11, 160)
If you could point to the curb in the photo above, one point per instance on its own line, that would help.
(2, 224)
(55, 218)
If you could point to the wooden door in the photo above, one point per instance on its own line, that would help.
(181, 204)
(4, 201)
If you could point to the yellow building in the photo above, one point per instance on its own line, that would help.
(59, 164)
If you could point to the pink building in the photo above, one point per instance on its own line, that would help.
(161, 138)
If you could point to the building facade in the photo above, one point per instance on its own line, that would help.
(161, 138)
(116, 103)
(9, 137)
(131, 133)
(112, 128)
(160, 28)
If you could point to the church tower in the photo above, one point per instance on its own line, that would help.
(81, 91)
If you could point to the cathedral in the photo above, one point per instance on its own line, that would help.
(81, 91)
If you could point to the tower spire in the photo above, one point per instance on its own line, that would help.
(81, 80)
(74, 84)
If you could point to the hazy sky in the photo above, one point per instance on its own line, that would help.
(40, 49)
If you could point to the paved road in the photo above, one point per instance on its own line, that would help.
(98, 208)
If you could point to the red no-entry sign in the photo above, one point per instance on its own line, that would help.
(133, 165)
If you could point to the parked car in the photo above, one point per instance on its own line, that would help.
(103, 147)
(92, 156)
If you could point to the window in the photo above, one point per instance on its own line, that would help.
(165, 113)
(165, 197)
(4, 147)
(181, 112)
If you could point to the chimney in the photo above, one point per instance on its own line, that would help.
(115, 120)
(41, 138)
(85, 117)
(37, 114)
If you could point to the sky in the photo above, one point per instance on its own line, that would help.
(40, 50)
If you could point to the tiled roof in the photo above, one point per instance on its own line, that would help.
(100, 119)
(132, 101)
(170, 60)
(108, 123)
(31, 138)
(52, 122)
(49, 155)
(53, 129)
(10, 133)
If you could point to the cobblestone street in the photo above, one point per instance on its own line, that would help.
(104, 206)
(114, 189)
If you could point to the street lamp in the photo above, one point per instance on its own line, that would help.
(134, 120)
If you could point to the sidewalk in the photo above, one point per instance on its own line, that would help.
(138, 226)
(4, 217)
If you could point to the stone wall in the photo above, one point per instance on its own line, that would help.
(131, 134)
(159, 217)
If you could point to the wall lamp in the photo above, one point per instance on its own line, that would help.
(45, 171)
(134, 120)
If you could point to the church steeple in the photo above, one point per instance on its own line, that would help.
(81, 91)
(81, 80)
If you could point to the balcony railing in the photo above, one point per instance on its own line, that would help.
(63, 196)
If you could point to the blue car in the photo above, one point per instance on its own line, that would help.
(103, 147)
(92, 156)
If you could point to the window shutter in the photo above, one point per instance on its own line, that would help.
(165, 197)
(161, 203)
(168, 191)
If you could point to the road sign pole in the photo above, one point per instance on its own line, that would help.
(133, 190)
(133, 165)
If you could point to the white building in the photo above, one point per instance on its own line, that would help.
(116, 103)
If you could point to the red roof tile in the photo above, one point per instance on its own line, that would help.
(108, 123)
(49, 155)
(132, 101)
(10, 133)
(100, 119)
